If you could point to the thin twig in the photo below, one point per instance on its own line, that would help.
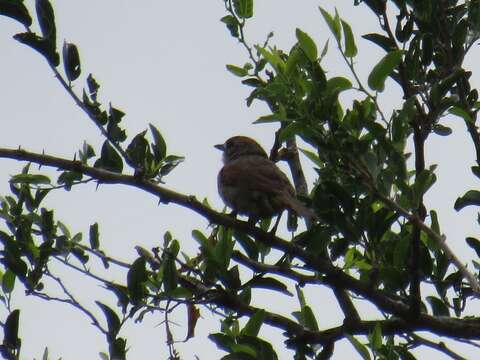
(241, 24)
(84, 271)
(74, 302)
(469, 342)
(104, 257)
(82, 106)
(361, 87)
(416, 341)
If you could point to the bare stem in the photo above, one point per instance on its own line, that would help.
(70, 300)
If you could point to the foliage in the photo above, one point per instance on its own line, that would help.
(372, 240)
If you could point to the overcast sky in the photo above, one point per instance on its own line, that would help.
(164, 63)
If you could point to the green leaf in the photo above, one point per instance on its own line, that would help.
(86, 152)
(276, 117)
(224, 247)
(294, 61)
(309, 318)
(252, 327)
(32, 179)
(238, 71)
(109, 159)
(15, 10)
(174, 248)
(458, 111)
(40, 194)
(442, 87)
(438, 307)
(272, 58)
(376, 337)
(338, 84)
(243, 8)
(137, 149)
(46, 20)
(361, 349)
(170, 273)
(77, 237)
(474, 14)
(384, 42)
(434, 220)
(43, 46)
(223, 342)
(93, 87)
(474, 244)
(115, 115)
(269, 283)
(68, 178)
(324, 50)
(254, 347)
(71, 61)
(253, 82)
(94, 238)
(64, 229)
(232, 25)
(376, 79)
(313, 157)
(170, 163)
(48, 230)
(441, 130)
(292, 129)
(121, 292)
(200, 238)
(113, 322)
(10, 329)
(248, 244)
(424, 181)
(476, 171)
(307, 45)
(300, 296)
(8, 281)
(114, 132)
(471, 197)
(118, 349)
(457, 306)
(159, 146)
(136, 278)
(333, 24)
(350, 47)
(45, 354)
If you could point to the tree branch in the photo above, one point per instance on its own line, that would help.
(333, 276)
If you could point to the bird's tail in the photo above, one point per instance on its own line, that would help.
(301, 210)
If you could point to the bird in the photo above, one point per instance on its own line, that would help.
(251, 184)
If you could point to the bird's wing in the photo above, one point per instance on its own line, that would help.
(256, 174)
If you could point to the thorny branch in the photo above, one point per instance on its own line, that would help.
(332, 276)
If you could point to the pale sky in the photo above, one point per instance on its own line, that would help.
(164, 63)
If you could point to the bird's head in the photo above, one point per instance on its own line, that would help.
(239, 146)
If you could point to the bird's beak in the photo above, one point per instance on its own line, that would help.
(220, 147)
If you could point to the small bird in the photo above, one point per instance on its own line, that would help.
(251, 184)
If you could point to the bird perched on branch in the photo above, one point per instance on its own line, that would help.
(251, 184)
